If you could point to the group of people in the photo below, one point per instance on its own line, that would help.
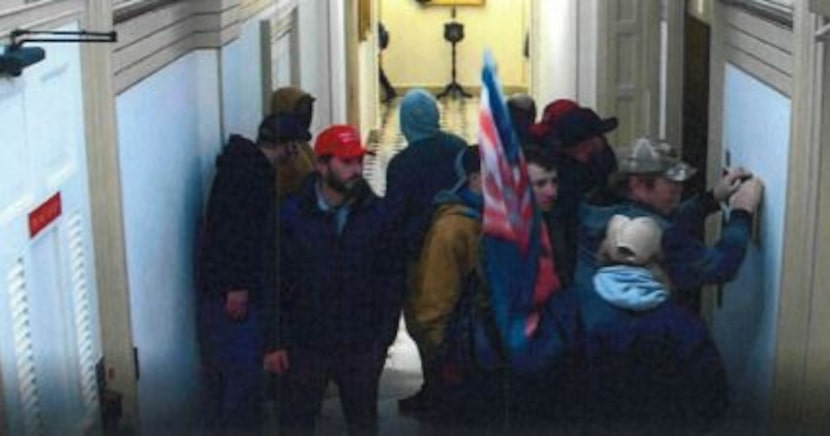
(304, 271)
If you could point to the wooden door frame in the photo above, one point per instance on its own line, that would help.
(352, 41)
(800, 386)
(675, 15)
(107, 215)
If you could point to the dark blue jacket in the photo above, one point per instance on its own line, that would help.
(576, 181)
(337, 290)
(687, 260)
(414, 177)
(650, 369)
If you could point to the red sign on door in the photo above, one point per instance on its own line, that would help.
(44, 214)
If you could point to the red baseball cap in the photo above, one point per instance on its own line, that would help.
(556, 109)
(341, 141)
(552, 113)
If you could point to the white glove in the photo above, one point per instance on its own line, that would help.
(748, 195)
(730, 183)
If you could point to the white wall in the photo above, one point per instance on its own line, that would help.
(756, 132)
(554, 50)
(418, 55)
(166, 125)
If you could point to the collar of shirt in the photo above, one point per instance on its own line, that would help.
(341, 213)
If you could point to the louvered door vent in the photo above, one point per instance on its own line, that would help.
(24, 353)
(83, 317)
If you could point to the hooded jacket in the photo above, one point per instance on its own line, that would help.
(238, 239)
(291, 173)
(450, 254)
(652, 365)
(421, 170)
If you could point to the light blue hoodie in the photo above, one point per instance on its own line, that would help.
(419, 116)
(630, 287)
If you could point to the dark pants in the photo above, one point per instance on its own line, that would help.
(232, 363)
(356, 373)
(388, 90)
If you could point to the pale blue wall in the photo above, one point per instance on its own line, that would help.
(756, 121)
(242, 91)
(168, 133)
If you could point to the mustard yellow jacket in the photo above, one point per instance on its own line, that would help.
(450, 254)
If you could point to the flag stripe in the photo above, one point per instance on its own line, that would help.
(519, 264)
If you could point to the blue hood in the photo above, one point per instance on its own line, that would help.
(419, 116)
(629, 287)
(472, 200)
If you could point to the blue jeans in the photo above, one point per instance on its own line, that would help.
(232, 353)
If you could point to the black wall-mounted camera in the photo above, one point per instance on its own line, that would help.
(15, 59)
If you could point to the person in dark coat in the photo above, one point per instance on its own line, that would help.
(413, 178)
(522, 111)
(389, 92)
(340, 290)
(653, 367)
(236, 277)
(649, 183)
(542, 132)
(295, 108)
(543, 172)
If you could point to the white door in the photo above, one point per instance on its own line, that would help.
(629, 66)
(49, 339)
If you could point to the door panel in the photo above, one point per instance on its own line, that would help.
(630, 89)
(49, 342)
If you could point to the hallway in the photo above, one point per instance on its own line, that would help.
(110, 155)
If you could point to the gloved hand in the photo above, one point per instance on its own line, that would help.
(730, 183)
(748, 195)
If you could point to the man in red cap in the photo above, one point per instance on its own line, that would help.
(543, 130)
(340, 290)
(576, 136)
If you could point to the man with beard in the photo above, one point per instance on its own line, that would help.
(340, 290)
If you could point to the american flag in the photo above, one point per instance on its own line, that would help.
(518, 260)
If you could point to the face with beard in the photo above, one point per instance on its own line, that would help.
(342, 175)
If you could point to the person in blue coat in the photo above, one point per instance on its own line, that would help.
(339, 290)
(652, 366)
(649, 183)
(413, 178)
